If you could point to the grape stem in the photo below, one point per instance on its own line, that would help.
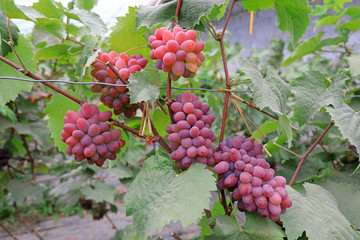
(178, 6)
(11, 44)
(117, 73)
(308, 152)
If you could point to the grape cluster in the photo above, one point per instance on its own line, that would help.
(243, 170)
(4, 157)
(178, 51)
(190, 136)
(116, 97)
(89, 136)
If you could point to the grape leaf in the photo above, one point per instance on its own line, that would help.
(348, 122)
(255, 5)
(48, 8)
(124, 35)
(354, 62)
(99, 192)
(352, 25)
(190, 13)
(293, 16)
(143, 85)
(312, 212)
(312, 93)
(327, 19)
(4, 34)
(9, 89)
(158, 195)
(311, 45)
(52, 25)
(90, 19)
(346, 195)
(53, 52)
(86, 4)
(18, 11)
(88, 56)
(121, 171)
(270, 91)
(267, 127)
(57, 108)
(256, 227)
(285, 127)
(306, 47)
(20, 191)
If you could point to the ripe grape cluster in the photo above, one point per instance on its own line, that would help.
(178, 51)
(116, 97)
(89, 136)
(243, 170)
(4, 157)
(190, 136)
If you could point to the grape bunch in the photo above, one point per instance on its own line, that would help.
(89, 136)
(190, 136)
(243, 170)
(177, 51)
(116, 97)
(4, 157)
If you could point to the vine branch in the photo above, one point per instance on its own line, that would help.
(308, 152)
(8, 231)
(29, 74)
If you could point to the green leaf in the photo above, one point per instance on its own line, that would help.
(348, 122)
(124, 36)
(216, 210)
(158, 195)
(312, 45)
(333, 41)
(354, 62)
(285, 127)
(347, 196)
(190, 13)
(87, 55)
(53, 52)
(267, 127)
(9, 89)
(99, 192)
(293, 16)
(311, 167)
(11, 10)
(53, 25)
(270, 91)
(328, 19)
(90, 19)
(86, 4)
(121, 171)
(48, 8)
(352, 25)
(20, 191)
(312, 212)
(353, 12)
(161, 121)
(256, 227)
(57, 108)
(306, 47)
(142, 85)
(4, 34)
(312, 92)
(255, 5)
